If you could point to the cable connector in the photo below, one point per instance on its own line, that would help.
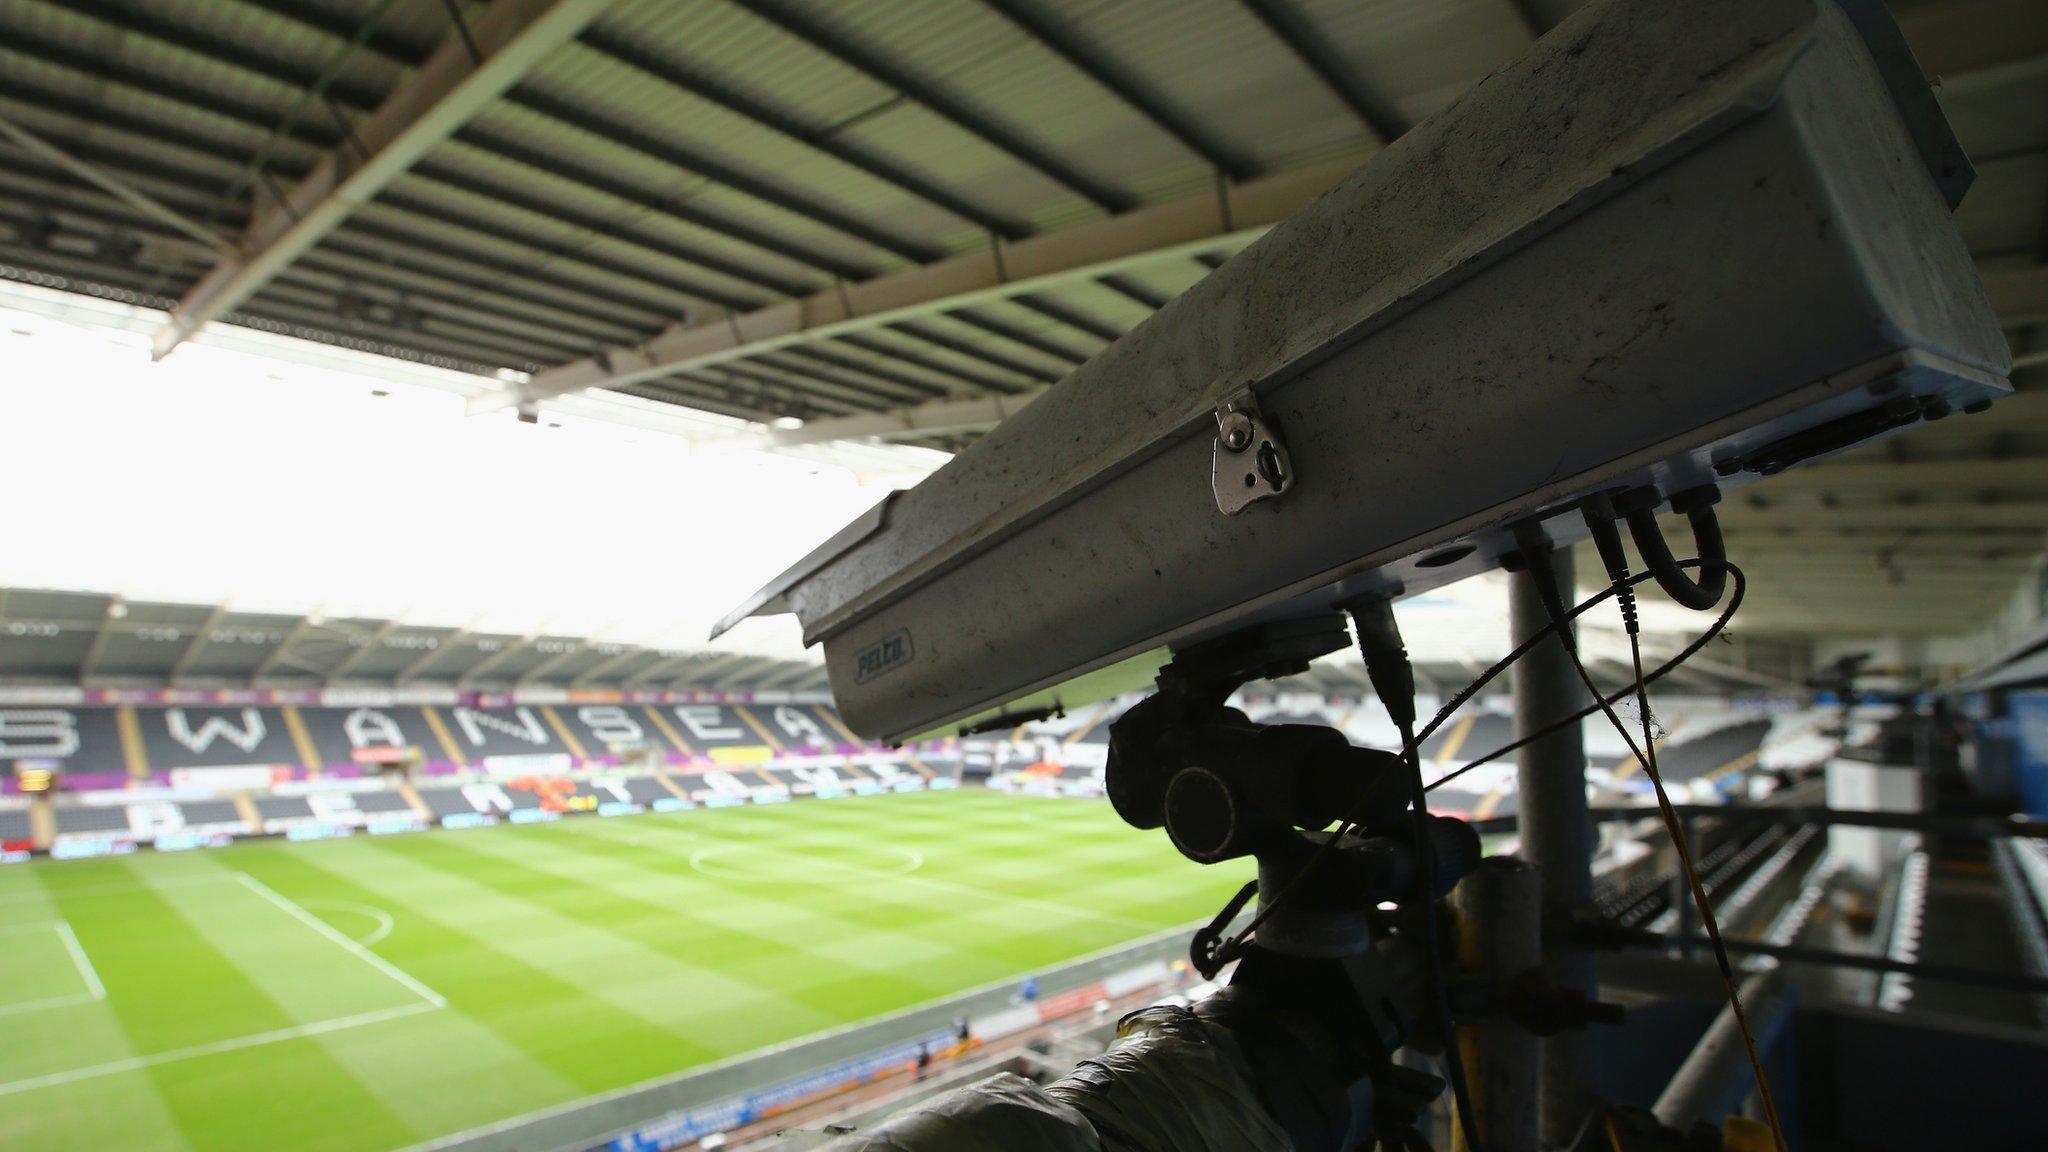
(1386, 658)
(1601, 519)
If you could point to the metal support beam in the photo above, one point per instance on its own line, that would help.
(1179, 228)
(115, 608)
(938, 418)
(1557, 833)
(282, 652)
(654, 672)
(606, 666)
(404, 675)
(369, 648)
(532, 675)
(199, 640)
(116, 187)
(511, 649)
(510, 37)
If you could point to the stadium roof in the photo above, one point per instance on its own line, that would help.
(977, 196)
(883, 218)
(94, 639)
(98, 640)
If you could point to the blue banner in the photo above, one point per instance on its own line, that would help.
(731, 1113)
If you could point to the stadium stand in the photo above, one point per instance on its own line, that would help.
(93, 821)
(210, 813)
(200, 769)
(281, 809)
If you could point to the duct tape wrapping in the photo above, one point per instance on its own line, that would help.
(1173, 1083)
(1004, 1113)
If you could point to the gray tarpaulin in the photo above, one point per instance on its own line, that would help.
(1173, 1083)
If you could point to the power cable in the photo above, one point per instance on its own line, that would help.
(1236, 943)
(1663, 568)
(1393, 679)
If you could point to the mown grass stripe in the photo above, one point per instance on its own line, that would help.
(165, 1007)
(671, 930)
(576, 957)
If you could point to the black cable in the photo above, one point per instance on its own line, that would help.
(1662, 670)
(1393, 679)
(1545, 579)
(1698, 506)
(1230, 947)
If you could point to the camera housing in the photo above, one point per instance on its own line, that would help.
(1674, 244)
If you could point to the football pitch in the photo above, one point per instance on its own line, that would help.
(376, 993)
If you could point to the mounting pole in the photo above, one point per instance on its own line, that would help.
(1557, 832)
(1499, 937)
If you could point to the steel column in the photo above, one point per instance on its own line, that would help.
(1716, 1077)
(1557, 832)
(1499, 910)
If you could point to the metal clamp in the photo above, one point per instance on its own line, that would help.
(1250, 462)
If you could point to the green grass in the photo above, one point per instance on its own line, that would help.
(373, 993)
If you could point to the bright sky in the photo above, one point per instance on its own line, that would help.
(282, 483)
(266, 473)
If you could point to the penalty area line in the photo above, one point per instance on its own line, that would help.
(134, 1063)
(81, 961)
(292, 909)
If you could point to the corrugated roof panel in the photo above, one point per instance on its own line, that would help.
(531, 305)
(407, 241)
(94, 100)
(1420, 53)
(704, 127)
(916, 378)
(1100, 304)
(209, 176)
(547, 232)
(164, 61)
(990, 65)
(39, 187)
(420, 21)
(987, 65)
(921, 138)
(663, 228)
(1168, 278)
(2000, 119)
(927, 40)
(724, 40)
(956, 328)
(551, 256)
(665, 180)
(2003, 210)
(40, 604)
(285, 41)
(1215, 63)
(976, 373)
(1085, 336)
(805, 394)
(57, 268)
(386, 317)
